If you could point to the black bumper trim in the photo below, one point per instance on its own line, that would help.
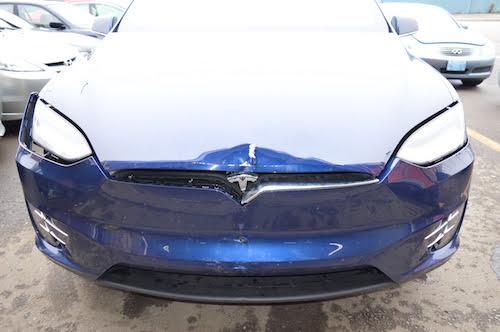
(245, 289)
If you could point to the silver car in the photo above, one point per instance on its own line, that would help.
(53, 15)
(28, 60)
(445, 44)
(84, 44)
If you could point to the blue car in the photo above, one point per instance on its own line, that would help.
(248, 152)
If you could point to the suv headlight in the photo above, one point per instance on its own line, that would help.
(436, 138)
(57, 135)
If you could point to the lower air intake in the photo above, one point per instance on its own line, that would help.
(245, 289)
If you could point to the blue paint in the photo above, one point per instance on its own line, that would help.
(460, 6)
(111, 222)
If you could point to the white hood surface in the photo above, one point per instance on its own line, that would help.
(343, 98)
(34, 47)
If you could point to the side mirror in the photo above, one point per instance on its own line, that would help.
(404, 25)
(57, 25)
(104, 24)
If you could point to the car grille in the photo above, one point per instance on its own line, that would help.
(249, 289)
(456, 51)
(219, 179)
(61, 65)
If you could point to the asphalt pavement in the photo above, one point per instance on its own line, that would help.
(462, 295)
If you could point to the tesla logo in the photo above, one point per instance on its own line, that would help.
(68, 62)
(242, 180)
(457, 51)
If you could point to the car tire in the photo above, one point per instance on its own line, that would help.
(472, 82)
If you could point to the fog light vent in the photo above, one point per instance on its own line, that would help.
(47, 228)
(446, 230)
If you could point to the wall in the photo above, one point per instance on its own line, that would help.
(460, 6)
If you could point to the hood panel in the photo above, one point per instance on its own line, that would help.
(321, 98)
(459, 36)
(81, 42)
(247, 158)
(22, 43)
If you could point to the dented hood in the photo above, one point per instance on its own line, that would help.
(280, 101)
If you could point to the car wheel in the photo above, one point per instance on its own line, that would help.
(472, 82)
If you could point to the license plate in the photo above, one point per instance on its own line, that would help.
(456, 65)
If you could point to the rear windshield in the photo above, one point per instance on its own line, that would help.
(343, 15)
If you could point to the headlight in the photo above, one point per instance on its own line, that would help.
(436, 138)
(15, 64)
(488, 50)
(59, 136)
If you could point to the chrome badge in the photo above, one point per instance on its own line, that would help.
(242, 180)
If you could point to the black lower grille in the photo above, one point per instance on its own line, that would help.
(245, 289)
(482, 69)
(218, 179)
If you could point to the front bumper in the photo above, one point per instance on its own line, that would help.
(205, 232)
(15, 89)
(476, 68)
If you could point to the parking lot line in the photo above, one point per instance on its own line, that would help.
(483, 139)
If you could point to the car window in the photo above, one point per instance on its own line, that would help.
(7, 7)
(104, 9)
(93, 9)
(85, 7)
(339, 15)
(14, 20)
(37, 16)
(72, 14)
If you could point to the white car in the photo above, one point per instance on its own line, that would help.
(442, 42)
(28, 60)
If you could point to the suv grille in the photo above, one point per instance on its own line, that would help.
(61, 65)
(219, 180)
(456, 51)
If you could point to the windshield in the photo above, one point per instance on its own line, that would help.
(429, 18)
(73, 14)
(14, 21)
(343, 15)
